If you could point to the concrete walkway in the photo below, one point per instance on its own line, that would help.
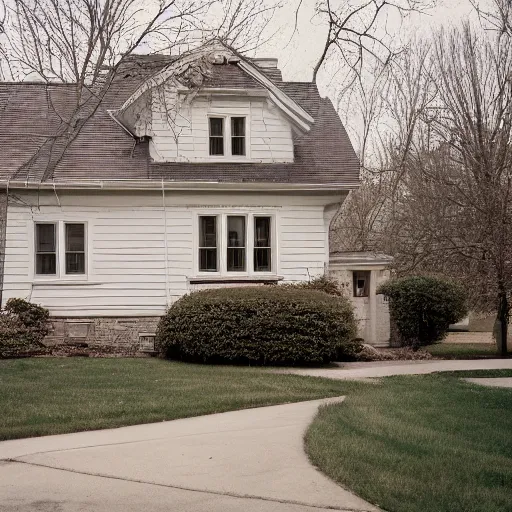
(354, 371)
(495, 382)
(250, 460)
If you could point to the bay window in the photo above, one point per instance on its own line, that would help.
(239, 243)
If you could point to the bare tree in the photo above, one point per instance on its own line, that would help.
(446, 206)
(358, 29)
(496, 15)
(86, 42)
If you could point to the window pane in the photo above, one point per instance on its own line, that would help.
(262, 260)
(216, 146)
(238, 145)
(236, 259)
(75, 263)
(236, 244)
(75, 237)
(207, 231)
(46, 264)
(238, 126)
(45, 237)
(208, 260)
(216, 126)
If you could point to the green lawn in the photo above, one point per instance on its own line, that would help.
(54, 396)
(430, 443)
(463, 350)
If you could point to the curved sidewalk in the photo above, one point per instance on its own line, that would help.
(354, 371)
(250, 460)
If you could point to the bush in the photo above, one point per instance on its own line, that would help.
(422, 308)
(321, 284)
(23, 326)
(259, 325)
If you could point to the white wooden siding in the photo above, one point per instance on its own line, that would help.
(180, 129)
(129, 272)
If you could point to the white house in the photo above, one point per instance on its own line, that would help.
(196, 171)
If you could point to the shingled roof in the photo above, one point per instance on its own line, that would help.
(31, 114)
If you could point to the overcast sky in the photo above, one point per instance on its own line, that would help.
(297, 56)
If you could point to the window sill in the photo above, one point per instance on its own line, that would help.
(265, 279)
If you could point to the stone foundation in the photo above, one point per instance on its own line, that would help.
(113, 333)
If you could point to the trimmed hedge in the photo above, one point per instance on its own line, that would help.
(23, 326)
(258, 325)
(322, 284)
(422, 308)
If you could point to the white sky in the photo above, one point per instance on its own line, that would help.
(298, 56)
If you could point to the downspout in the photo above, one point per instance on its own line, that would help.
(3, 234)
(166, 248)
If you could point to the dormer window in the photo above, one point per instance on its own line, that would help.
(238, 136)
(216, 135)
(227, 136)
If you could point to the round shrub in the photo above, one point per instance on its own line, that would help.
(23, 326)
(258, 325)
(422, 308)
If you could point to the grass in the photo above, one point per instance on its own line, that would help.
(430, 443)
(54, 396)
(462, 350)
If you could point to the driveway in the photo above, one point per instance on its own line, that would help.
(347, 371)
(249, 460)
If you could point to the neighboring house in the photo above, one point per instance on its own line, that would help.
(195, 171)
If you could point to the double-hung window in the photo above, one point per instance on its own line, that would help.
(75, 248)
(208, 243)
(216, 136)
(238, 136)
(262, 244)
(60, 248)
(46, 249)
(236, 261)
(227, 136)
(235, 243)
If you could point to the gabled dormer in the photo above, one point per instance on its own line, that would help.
(213, 105)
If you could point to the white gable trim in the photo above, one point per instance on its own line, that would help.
(290, 108)
(282, 100)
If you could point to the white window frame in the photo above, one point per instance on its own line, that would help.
(34, 253)
(227, 156)
(61, 250)
(222, 238)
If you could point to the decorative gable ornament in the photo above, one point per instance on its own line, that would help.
(189, 72)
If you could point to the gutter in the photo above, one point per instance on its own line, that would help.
(129, 184)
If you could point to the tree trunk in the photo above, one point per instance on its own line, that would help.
(503, 315)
